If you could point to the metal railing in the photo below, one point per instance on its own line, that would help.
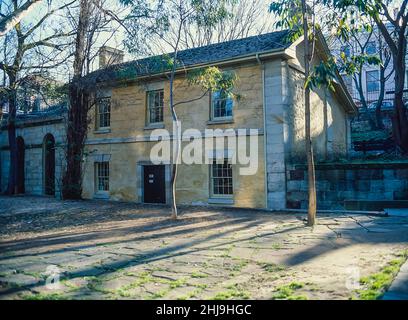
(373, 96)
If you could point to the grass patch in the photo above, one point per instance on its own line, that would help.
(44, 296)
(227, 252)
(198, 275)
(143, 278)
(176, 283)
(236, 268)
(375, 285)
(71, 286)
(146, 277)
(232, 292)
(159, 294)
(276, 246)
(271, 267)
(288, 292)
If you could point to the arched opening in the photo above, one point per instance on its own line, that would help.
(49, 164)
(20, 178)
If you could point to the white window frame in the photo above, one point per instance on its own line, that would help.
(212, 179)
(99, 114)
(367, 81)
(214, 100)
(149, 114)
(97, 182)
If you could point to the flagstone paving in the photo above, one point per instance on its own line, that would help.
(52, 249)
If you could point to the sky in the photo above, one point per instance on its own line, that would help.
(117, 40)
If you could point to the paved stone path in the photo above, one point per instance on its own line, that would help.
(101, 250)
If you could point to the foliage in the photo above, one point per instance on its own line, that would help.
(290, 17)
(213, 79)
(326, 73)
(376, 284)
(287, 292)
(233, 292)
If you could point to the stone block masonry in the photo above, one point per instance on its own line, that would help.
(372, 186)
(33, 135)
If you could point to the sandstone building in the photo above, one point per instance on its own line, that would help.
(133, 101)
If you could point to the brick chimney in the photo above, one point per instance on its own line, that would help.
(109, 56)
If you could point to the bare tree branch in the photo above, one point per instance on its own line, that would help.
(10, 21)
(46, 16)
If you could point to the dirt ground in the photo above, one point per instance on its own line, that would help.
(51, 249)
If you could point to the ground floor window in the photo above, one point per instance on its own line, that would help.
(102, 176)
(221, 178)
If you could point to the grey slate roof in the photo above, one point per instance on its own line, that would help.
(196, 56)
(51, 113)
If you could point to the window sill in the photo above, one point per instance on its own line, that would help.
(225, 201)
(153, 126)
(221, 121)
(101, 131)
(101, 196)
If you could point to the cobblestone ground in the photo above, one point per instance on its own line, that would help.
(105, 250)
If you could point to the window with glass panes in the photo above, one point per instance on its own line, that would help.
(104, 109)
(346, 50)
(222, 105)
(371, 48)
(155, 103)
(221, 178)
(348, 81)
(373, 81)
(102, 176)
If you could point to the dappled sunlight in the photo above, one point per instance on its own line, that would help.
(138, 252)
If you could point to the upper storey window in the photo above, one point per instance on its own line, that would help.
(371, 48)
(373, 81)
(346, 50)
(221, 105)
(103, 106)
(155, 104)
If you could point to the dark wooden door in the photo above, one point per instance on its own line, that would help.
(49, 165)
(20, 178)
(154, 184)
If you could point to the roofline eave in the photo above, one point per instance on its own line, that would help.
(263, 55)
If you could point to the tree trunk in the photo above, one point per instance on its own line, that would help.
(378, 114)
(176, 151)
(76, 135)
(378, 117)
(176, 126)
(311, 214)
(79, 98)
(11, 131)
(363, 101)
(400, 121)
(398, 50)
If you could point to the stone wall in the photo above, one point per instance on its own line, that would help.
(328, 115)
(372, 186)
(33, 135)
(126, 143)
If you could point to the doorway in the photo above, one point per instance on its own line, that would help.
(49, 164)
(154, 186)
